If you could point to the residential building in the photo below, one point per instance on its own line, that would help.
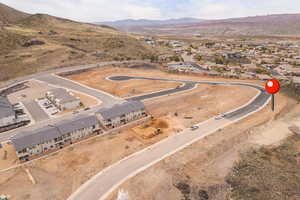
(53, 137)
(185, 67)
(63, 99)
(7, 112)
(120, 114)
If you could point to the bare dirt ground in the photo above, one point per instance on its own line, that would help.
(62, 173)
(205, 164)
(8, 156)
(97, 79)
(199, 104)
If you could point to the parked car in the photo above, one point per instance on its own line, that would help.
(219, 117)
(194, 128)
(87, 108)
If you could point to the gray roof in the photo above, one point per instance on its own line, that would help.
(63, 95)
(186, 64)
(50, 132)
(121, 109)
(77, 124)
(6, 109)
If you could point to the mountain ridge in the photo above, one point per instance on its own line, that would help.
(275, 24)
(148, 22)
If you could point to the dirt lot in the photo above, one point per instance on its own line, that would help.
(199, 104)
(185, 109)
(200, 169)
(59, 175)
(97, 79)
(8, 156)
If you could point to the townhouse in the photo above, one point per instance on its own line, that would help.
(7, 113)
(53, 137)
(121, 114)
(63, 99)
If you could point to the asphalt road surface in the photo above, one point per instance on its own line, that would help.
(102, 184)
(107, 99)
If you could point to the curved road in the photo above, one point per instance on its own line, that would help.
(102, 184)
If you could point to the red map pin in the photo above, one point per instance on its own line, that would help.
(272, 87)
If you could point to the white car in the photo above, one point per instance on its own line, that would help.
(219, 117)
(194, 128)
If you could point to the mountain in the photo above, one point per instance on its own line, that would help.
(38, 42)
(127, 24)
(10, 15)
(280, 24)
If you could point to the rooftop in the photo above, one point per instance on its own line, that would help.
(50, 132)
(6, 109)
(120, 109)
(63, 95)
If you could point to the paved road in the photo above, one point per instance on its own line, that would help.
(102, 184)
(106, 99)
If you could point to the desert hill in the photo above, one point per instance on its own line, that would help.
(10, 15)
(32, 43)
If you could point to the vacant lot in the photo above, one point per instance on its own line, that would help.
(97, 79)
(185, 109)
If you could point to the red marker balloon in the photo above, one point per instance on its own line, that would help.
(272, 87)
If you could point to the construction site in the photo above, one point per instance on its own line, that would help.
(49, 178)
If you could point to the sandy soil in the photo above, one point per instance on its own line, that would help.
(199, 104)
(87, 101)
(205, 164)
(62, 173)
(8, 156)
(96, 79)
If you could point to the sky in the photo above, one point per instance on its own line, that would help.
(109, 10)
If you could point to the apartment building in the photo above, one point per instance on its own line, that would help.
(120, 114)
(53, 137)
(63, 99)
(7, 113)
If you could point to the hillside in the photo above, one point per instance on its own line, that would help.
(41, 42)
(127, 24)
(283, 24)
(10, 15)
